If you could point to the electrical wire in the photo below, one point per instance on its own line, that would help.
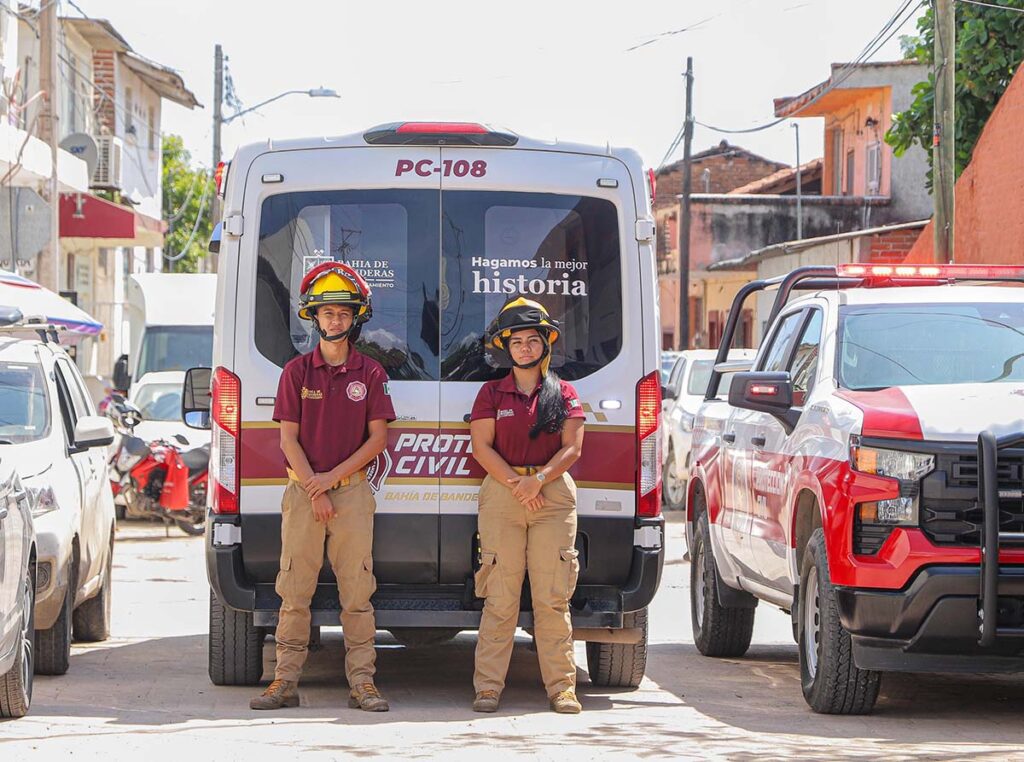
(887, 32)
(208, 181)
(992, 5)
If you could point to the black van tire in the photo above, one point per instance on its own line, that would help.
(91, 620)
(718, 630)
(620, 665)
(236, 646)
(833, 684)
(53, 646)
(16, 685)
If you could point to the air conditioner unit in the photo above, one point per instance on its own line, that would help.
(108, 174)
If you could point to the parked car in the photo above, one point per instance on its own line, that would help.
(17, 594)
(444, 221)
(683, 395)
(866, 477)
(50, 432)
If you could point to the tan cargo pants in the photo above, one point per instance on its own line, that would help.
(349, 538)
(513, 541)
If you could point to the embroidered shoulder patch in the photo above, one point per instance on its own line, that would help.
(574, 403)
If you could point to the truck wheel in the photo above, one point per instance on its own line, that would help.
(91, 620)
(236, 646)
(673, 496)
(831, 681)
(620, 665)
(16, 685)
(423, 637)
(717, 630)
(53, 646)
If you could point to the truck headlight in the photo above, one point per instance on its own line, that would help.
(907, 468)
(896, 464)
(41, 499)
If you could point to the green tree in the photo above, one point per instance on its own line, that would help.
(989, 48)
(187, 194)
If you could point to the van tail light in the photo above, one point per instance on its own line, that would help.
(219, 176)
(225, 405)
(652, 185)
(648, 441)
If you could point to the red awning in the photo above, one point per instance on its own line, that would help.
(83, 215)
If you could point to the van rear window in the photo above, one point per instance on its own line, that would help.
(389, 236)
(562, 251)
(441, 265)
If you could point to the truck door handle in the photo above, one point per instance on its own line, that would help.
(730, 438)
(757, 441)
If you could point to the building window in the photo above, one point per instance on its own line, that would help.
(129, 106)
(851, 165)
(837, 165)
(874, 168)
(72, 92)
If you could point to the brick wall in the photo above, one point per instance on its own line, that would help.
(989, 222)
(104, 75)
(892, 247)
(730, 169)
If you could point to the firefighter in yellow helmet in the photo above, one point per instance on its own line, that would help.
(333, 407)
(527, 431)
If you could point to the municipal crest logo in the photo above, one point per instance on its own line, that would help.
(356, 391)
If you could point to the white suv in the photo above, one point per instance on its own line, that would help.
(50, 432)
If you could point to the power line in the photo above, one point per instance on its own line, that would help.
(992, 5)
(887, 32)
(207, 182)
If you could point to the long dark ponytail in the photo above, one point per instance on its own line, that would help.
(550, 406)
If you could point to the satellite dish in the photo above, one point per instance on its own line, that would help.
(82, 146)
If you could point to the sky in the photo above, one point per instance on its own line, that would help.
(591, 72)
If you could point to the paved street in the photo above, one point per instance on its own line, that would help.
(145, 693)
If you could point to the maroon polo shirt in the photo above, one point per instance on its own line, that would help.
(333, 405)
(514, 414)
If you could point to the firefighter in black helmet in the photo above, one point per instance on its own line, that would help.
(527, 431)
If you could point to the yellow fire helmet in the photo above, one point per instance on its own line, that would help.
(518, 314)
(335, 283)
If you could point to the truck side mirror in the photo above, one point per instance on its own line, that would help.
(196, 398)
(667, 392)
(122, 380)
(765, 392)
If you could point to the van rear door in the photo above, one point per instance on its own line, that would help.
(541, 224)
(343, 204)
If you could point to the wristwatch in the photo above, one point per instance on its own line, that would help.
(541, 476)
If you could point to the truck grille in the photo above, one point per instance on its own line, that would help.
(949, 510)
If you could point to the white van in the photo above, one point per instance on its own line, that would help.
(444, 221)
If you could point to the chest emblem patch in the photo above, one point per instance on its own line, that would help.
(356, 391)
(507, 413)
(312, 394)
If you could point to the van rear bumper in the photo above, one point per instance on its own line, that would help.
(430, 605)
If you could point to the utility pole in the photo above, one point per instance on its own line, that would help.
(944, 136)
(683, 338)
(48, 272)
(209, 264)
(799, 193)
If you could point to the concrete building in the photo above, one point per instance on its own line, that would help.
(109, 108)
(857, 185)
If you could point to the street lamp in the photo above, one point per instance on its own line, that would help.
(218, 97)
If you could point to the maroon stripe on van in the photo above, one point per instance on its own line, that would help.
(608, 456)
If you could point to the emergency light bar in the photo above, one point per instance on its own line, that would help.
(932, 272)
(437, 134)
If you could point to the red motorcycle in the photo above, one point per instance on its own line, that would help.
(156, 479)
